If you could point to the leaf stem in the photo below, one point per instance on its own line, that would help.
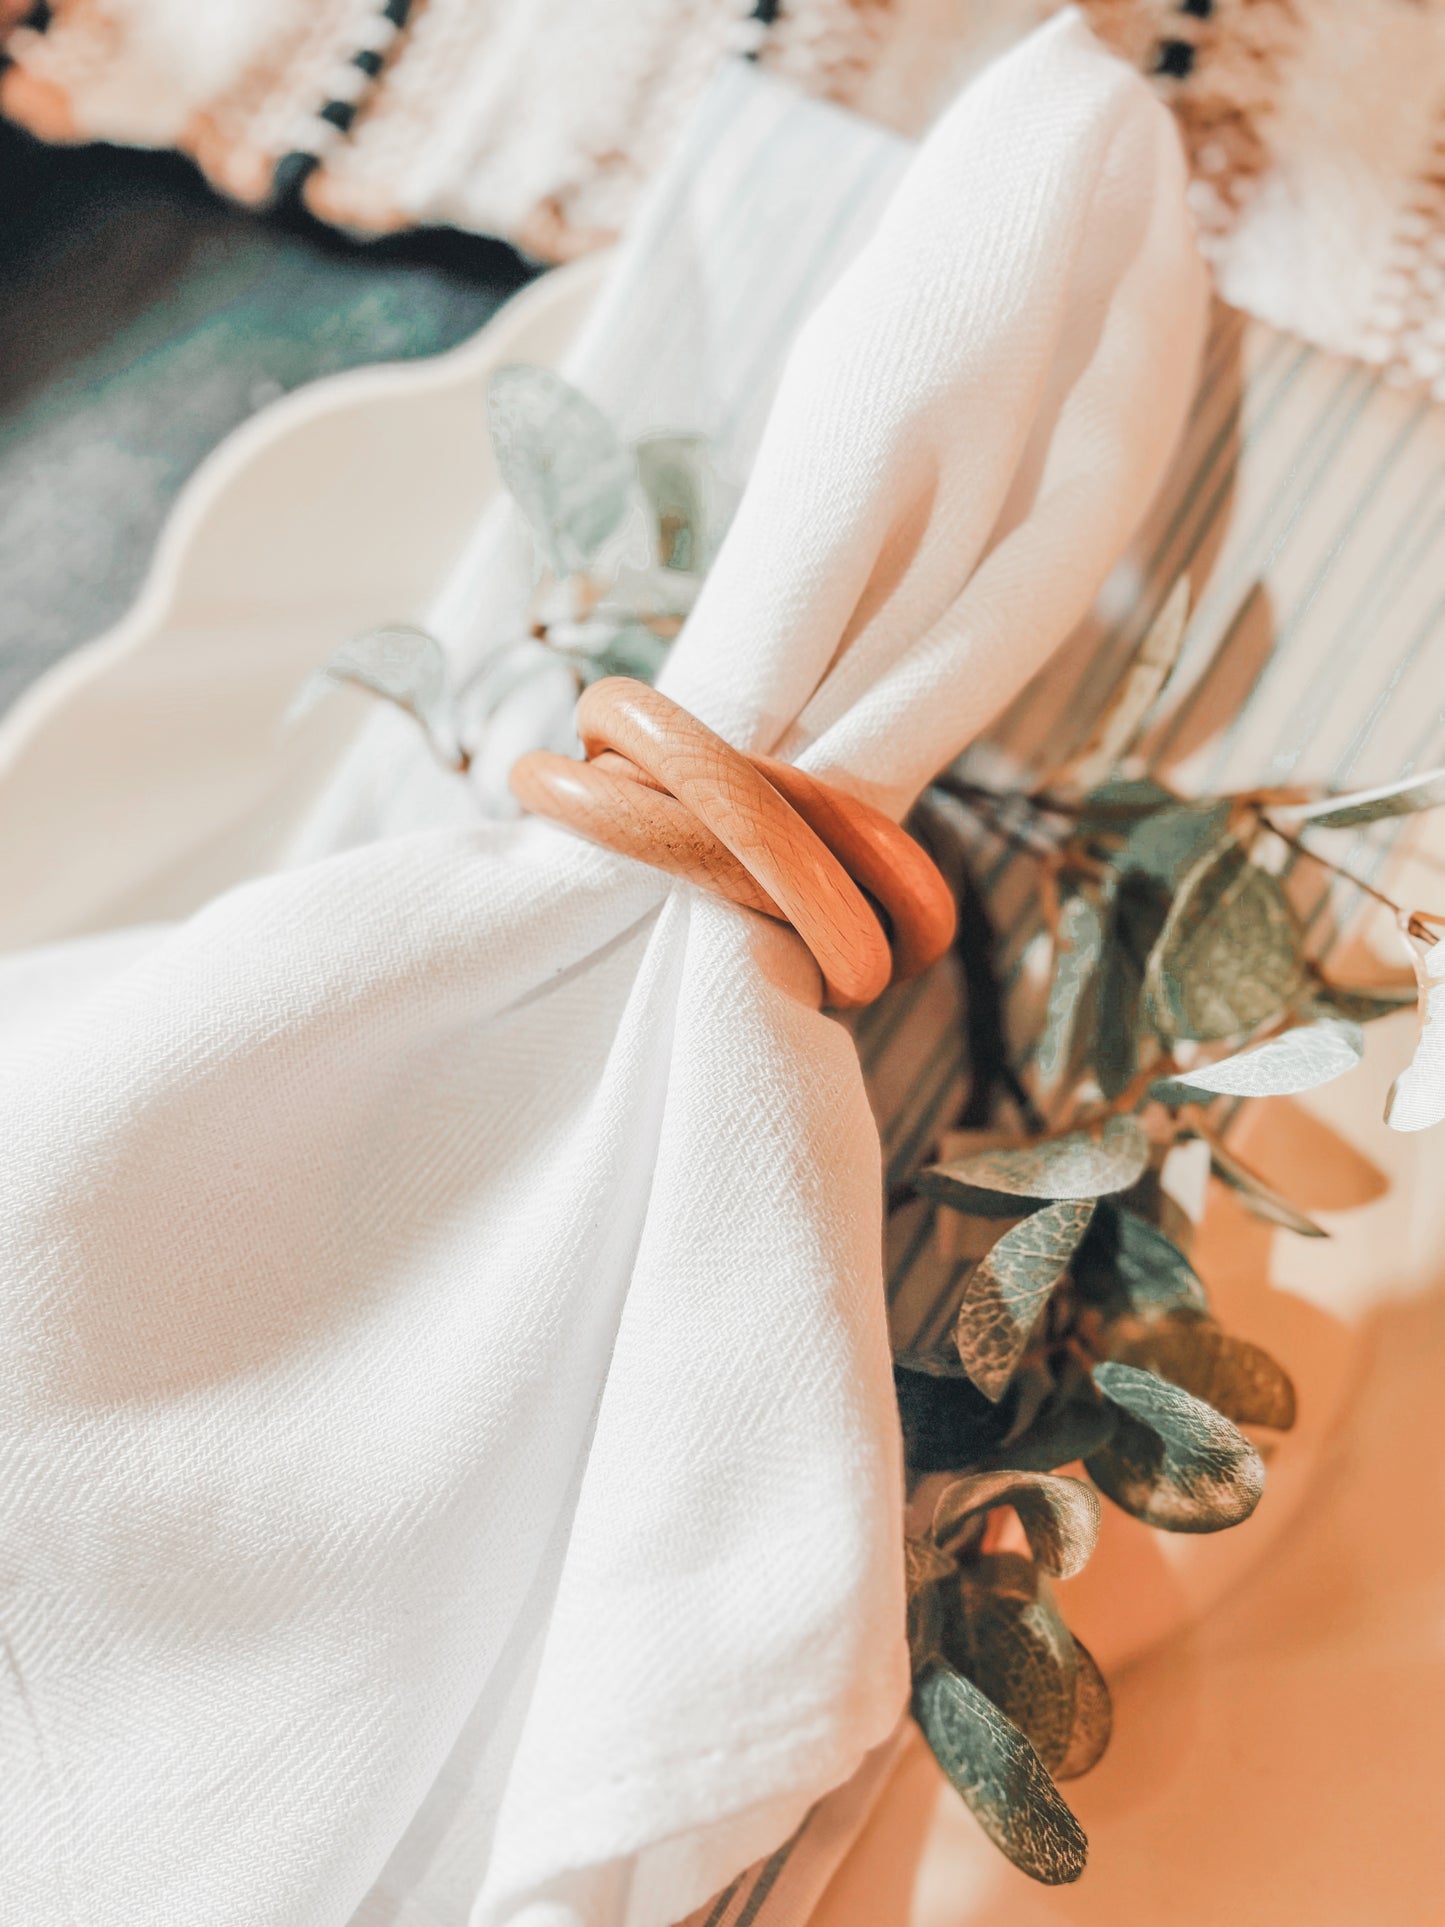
(990, 806)
(1314, 856)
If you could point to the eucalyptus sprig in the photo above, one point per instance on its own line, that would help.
(1179, 979)
(622, 535)
(1179, 975)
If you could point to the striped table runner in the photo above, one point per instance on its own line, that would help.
(1307, 506)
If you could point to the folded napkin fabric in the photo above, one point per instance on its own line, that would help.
(441, 1282)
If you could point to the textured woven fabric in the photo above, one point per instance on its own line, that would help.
(539, 122)
(442, 1281)
(1316, 135)
(1315, 132)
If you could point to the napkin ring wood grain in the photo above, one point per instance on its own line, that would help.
(660, 786)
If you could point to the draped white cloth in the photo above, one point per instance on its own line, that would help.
(445, 1352)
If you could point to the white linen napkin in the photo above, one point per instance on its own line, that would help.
(442, 1282)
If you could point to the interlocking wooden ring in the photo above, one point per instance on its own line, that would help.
(660, 786)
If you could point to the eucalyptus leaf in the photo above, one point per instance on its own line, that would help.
(1064, 1040)
(947, 1423)
(1145, 677)
(924, 1562)
(1020, 1652)
(1068, 1428)
(1159, 848)
(1417, 1097)
(1077, 1165)
(1116, 1040)
(1138, 909)
(673, 472)
(632, 650)
(1008, 1575)
(1258, 1196)
(1060, 1517)
(994, 1769)
(1007, 1290)
(1165, 845)
(925, 1623)
(1362, 1006)
(1401, 798)
(1030, 1389)
(561, 462)
(1175, 1091)
(1237, 1378)
(1173, 1461)
(403, 665)
(1112, 807)
(1124, 1263)
(1297, 1060)
(1093, 1717)
(939, 1183)
(944, 1362)
(1229, 957)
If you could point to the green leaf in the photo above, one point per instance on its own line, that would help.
(1068, 1428)
(1127, 1264)
(924, 1566)
(1401, 798)
(633, 650)
(1137, 912)
(994, 1769)
(1030, 1389)
(1116, 1041)
(925, 1619)
(1093, 1717)
(1007, 1289)
(970, 1200)
(1173, 1461)
(947, 1422)
(924, 1562)
(1060, 1517)
(1063, 1043)
(1146, 675)
(1077, 1165)
(561, 462)
(403, 665)
(1174, 1091)
(1296, 1060)
(941, 1363)
(1003, 1629)
(1112, 807)
(1158, 847)
(673, 473)
(1228, 958)
(1013, 1644)
(1417, 1096)
(1361, 1006)
(1257, 1196)
(1165, 845)
(1237, 1378)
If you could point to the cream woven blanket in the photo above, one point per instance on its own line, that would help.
(1316, 131)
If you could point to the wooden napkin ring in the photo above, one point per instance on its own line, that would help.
(660, 786)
